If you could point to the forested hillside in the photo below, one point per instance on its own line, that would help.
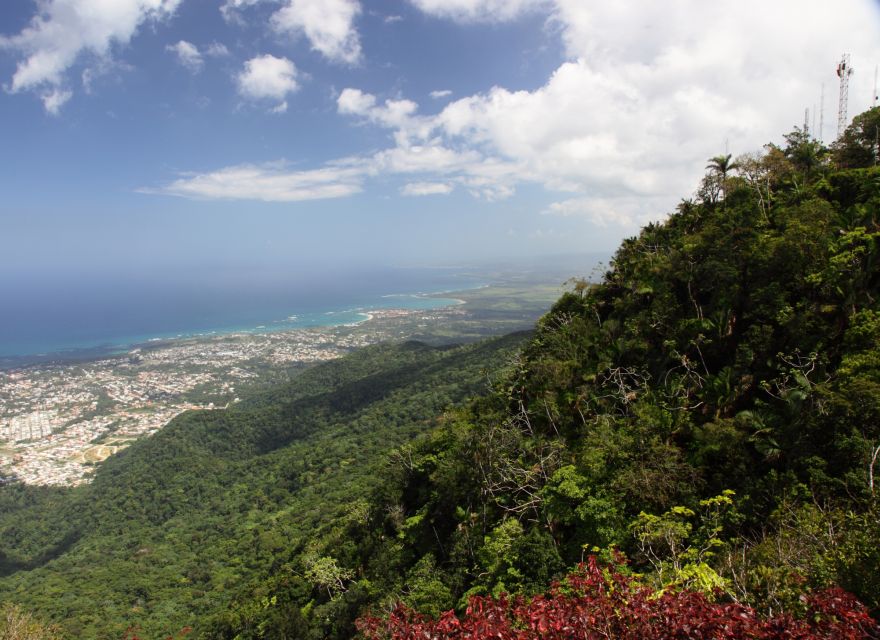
(220, 502)
(710, 410)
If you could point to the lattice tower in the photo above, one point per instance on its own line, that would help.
(844, 71)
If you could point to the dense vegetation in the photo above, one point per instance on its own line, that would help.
(595, 602)
(710, 409)
(226, 504)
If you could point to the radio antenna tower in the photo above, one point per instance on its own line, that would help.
(844, 71)
(822, 113)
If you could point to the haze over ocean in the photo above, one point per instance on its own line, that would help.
(41, 316)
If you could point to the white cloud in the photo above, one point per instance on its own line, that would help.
(267, 77)
(426, 188)
(392, 19)
(217, 50)
(441, 93)
(428, 159)
(625, 124)
(399, 115)
(64, 29)
(231, 9)
(355, 102)
(269, 182)
(479, 10)
(418, 151)
(650, 91)
(327, 24)
(187, 55)
(627, 212)
(54, 99)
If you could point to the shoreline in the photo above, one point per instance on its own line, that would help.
(114, 350)
(59, 420)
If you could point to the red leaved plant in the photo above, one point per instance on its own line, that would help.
(597, 602)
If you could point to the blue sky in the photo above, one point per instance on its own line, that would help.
(160, 135)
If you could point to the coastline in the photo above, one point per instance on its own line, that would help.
(59, 420)
(293, 322)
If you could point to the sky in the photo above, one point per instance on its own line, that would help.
(169, 136)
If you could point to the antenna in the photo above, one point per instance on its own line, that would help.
(822, 113)
(844, 71)
(807, 122)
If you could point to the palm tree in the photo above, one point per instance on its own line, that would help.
(721, 165)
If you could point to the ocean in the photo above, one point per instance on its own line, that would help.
(71, 318)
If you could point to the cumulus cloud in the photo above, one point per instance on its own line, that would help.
(65, 29)
(267, 78)
(327, 24)
(355, 101)
(426, 188)
(622, 128)
(188, 55)
(440, 93)
(272, 182)
(394, 114)
(649, 92)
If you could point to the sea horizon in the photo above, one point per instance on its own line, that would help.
(221, 313)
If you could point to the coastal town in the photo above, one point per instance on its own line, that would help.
(59, 421)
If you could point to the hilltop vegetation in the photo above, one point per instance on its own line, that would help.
(710, 409)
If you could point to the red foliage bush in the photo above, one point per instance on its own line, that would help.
(596, 602)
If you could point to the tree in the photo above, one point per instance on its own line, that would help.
(324, 572)
(16, 624)
(858, 146)
(755, 171)
(719, 166)
(805, 153)
(722, 165)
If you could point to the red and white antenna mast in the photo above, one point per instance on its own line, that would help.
(844, 71)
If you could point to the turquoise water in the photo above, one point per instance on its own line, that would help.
(412, 302)
(88, 319)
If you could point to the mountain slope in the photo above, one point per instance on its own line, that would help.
(174, 526)
(710, 408)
